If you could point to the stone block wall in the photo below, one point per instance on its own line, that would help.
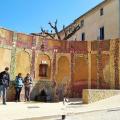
(93, 95)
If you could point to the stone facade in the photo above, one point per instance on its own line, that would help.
(91, 22)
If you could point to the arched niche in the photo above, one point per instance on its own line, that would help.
(80, 69)
(42, 67)
(80, 75)
(23, 63)
(63, 70)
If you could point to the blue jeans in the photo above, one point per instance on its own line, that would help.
(3, 90)
(17, 96)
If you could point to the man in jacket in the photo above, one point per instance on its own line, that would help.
(4, 83)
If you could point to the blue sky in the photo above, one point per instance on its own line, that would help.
(30, 15)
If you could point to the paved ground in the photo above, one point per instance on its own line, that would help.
(108, 109)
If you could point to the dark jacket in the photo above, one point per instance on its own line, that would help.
(4, 79)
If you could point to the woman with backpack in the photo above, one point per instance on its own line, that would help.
(18, 86)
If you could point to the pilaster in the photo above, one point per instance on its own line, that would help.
(89, 65)
(13, 57)
(116, 63)
(32, 69)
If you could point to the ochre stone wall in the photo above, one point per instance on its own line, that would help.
(24, 37)
(106, 68)
(80, 80)
(80, 68)
(6, 36)
(72, 65)
(23, 63)
(54, 43)
(5, 58)
(63, 70)
(93, 71)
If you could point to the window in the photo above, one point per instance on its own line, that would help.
(82, 23)
(101, 12)
(83, 37)
(102, 33)
(43, 69)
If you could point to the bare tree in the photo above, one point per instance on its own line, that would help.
(47, 33)
(64, 30)
(55, 29)
(67, 33)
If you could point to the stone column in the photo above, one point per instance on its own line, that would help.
(100, 77)
(54, 65)
(112, 72)
(32, 70)
(13, 57)
(72, 73)
(89, 65)
(116, 63)
(119, 62)
(54, 75)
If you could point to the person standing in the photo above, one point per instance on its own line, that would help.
(28, 85)
(4, 83)
(18, 86)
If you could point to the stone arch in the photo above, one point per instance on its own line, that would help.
(38, 61)
(63, 70)
(23, 63)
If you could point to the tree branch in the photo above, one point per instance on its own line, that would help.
(72, 33)
(46, 33)
(55, 29)
(64, 31)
